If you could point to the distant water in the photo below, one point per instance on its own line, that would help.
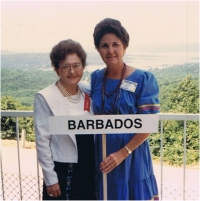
(146, 61)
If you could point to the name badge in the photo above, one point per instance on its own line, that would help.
(128, 85)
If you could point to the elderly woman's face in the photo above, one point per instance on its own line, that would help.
(70, 70)
(111, 49)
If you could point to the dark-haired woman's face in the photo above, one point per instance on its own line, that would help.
(111, 49)
(70, 70)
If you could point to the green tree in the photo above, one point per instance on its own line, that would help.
(183, 99)
(8, 124)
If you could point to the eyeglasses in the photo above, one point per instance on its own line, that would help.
(75, 66)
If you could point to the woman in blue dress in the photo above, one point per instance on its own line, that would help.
(122, 89)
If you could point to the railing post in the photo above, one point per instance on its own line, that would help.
(184, 159)
(38, 176)
(161, 158)
(2, 180)
(19, 167)
(23, 137)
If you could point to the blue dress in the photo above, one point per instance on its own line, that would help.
(134, 178)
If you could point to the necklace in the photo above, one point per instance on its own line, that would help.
(72, 98)
(113, 93)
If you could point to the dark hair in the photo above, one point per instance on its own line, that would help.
(64, 48)
(113, 26)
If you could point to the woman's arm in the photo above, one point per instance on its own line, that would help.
(114, 159)
(41, 114)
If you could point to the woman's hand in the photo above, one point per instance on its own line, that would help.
(113, 160)
(54, 190)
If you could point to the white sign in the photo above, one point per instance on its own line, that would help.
(98, 124)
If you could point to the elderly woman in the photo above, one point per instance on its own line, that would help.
(123, 89)
(67, 161)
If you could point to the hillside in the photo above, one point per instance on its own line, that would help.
(22, 75)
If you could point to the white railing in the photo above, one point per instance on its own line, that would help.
(183, 117)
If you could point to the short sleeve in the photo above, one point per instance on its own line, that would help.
(148, 102)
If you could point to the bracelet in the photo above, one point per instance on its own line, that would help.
(128, 150)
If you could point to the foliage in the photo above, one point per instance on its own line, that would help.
(169, 78)
(23, 85)
(183, 99)
(173, 142)
(8, 124)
